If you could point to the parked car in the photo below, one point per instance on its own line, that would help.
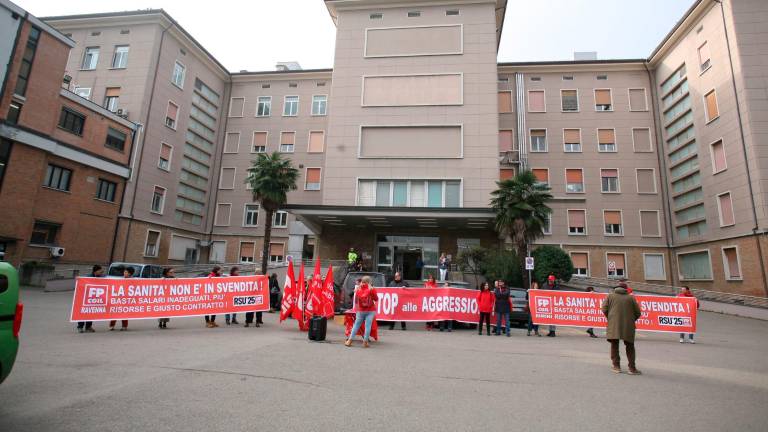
(519, 301)
(348, 286)
(11, 311)
(146, 271)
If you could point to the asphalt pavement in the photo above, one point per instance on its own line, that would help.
(189, 378)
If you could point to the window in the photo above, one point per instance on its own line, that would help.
(414, 14)
(236, 106)
(506, 173)
(293, 85)
(574, 180)
(612, 223)
(577, 222)
(164, 162)
(232, 142)
(105, 190)
(223, 214)
(536, 101)
(646, 180)
(695, 266)
(120, 59)
(179, 72)
(264, 106)
(276, 252)
(603, 100)
(25, 68)
(83, 92)
(152, 245)
(376, 16)
(609, 180)
(569, 100)
(280, 219)
(616, 265)
(5, 156)
(572, 140)
(319, 105)
(506, 140)
(287, 141)
(732, 263)
(641, 140)
(653, 266)
(171, 114)
(90, 58)
(567, 77)
(547, 227)
(111, 98)
(538, 140)
(316, 142)
(251, 215)
(649, 223)
(312, 179)
(115, 139)
(14, 112)
(247, 252)
(452, 12)
(541, 174)
(710, 100)
(57, 177)
(72, 121)
(291, 106)
(606, 139)
(725, 209)
(400, 194)
(580, 262)
(602, 77)
(227, 179)
(158, 200)
(505, 102)
(44, 233)
(704, 60)
(259, 142)
(718, 157)
(638, 100)
(409, 193)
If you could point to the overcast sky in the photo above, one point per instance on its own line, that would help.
(254, 35)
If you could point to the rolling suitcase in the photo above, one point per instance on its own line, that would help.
(317, 328)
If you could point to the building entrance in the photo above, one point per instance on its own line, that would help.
(414, 256)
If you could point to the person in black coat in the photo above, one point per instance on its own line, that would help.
(87, 326)
(274, 293)
(397, 282)
(502, 306)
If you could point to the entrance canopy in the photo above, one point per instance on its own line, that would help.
(383, 218)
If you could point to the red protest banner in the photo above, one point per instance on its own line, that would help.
(100, 299)
(427, 304)
(582, 309)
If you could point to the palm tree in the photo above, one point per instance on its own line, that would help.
(521, 210)
(270, 177)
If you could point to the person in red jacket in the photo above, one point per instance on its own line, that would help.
(686, 292)
(430, 284)
(485, 301)
(365, 299)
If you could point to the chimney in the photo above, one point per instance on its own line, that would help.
(584, 55)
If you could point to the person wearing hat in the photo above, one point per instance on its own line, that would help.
(623, 284)
(622, 311)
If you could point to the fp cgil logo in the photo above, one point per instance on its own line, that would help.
(95, 295)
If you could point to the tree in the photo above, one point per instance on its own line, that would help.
(551, 259)
(270, 177)
(472, 260)
(521, 210)
(502, 265)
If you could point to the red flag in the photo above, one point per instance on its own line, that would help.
(298, 309)
(314, 302)
(289, 294)
(328, 296)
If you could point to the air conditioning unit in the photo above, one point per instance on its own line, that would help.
(57, 252)
(122, 113)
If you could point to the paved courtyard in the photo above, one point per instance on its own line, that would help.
(189, 378)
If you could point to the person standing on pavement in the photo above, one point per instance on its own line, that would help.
(430, 284)
(444, 265)
(97, 271)
(552, 285)
(622, 311)
(398, 282)
(127, 274)
(591, 331)
(485, 300)
(234, 271)
(531, 325)
(502, 306)
(210, 320)
(168, 273)
(274, 293)
(686, 292)
(365, 299)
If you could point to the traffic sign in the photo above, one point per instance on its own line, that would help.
(529, 263)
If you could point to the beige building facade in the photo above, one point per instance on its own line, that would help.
(658, 166)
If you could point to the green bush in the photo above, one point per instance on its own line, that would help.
(502, 265)
(551, 259)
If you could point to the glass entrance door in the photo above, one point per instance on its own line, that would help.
(413, 256)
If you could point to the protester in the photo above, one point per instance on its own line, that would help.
(686, 292)
(234, 271)
(398, 282)
(168, 273)
(352, 258)
(485, 300)
(622, 311)
(210, 320)
(444, 265)
(531, 325)
(591, 331)
(502, 306)
(274, 293)
(365, 299)
(420, 266)
(87, 326)
(623, 284)
(430, 284)
(552, 285)
(127, 274)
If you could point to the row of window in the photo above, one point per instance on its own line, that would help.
(290, 106)
(74, 122)
(111, 96)
(572, 140)
(60, 178)
(312, 178)
(414, 14)
(287, 143)
(609, 179)
(91, 57)
(409, 193)
(246, 253)
(613, 223)
(250, 216)
(570, 101)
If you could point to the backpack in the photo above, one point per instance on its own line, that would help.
(365, 297)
